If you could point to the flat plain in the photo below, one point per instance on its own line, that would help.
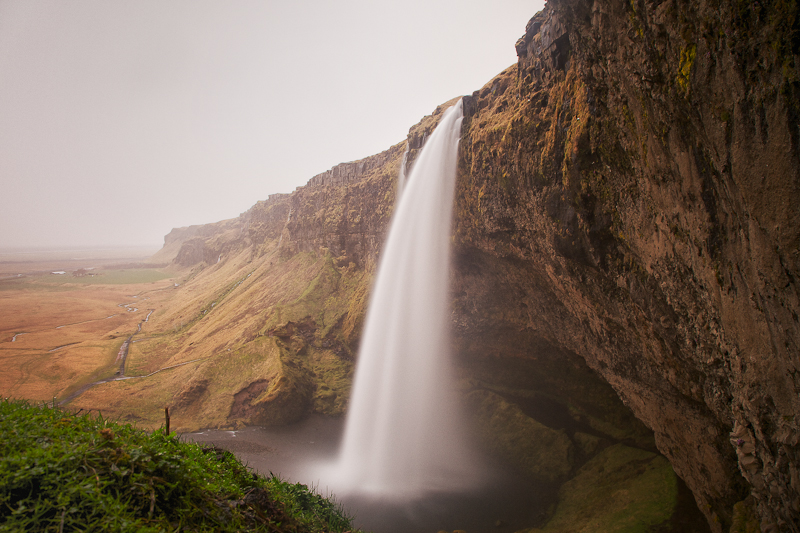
(61, 331)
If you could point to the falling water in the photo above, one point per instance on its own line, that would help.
(402, 437)
(401, 176)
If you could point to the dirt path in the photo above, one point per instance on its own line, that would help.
(122, 355)
(57, 348)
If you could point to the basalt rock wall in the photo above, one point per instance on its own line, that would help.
(345, 210)
(640, 163)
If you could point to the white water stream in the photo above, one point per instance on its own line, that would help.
(401, 176)
(402, 437)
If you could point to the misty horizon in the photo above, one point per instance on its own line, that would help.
(120, 122)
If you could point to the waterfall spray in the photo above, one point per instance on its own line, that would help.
(402, 435)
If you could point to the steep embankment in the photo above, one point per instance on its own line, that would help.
(629, 193)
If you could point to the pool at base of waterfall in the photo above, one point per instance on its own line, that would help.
(504, 503)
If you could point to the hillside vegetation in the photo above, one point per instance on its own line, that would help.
(66, 472)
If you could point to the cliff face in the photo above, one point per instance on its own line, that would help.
(627, 207)
(640, 165)
(345, 211)
(264, 326)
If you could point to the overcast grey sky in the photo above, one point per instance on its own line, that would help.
(120, 120)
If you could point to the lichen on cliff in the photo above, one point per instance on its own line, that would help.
(688, 55)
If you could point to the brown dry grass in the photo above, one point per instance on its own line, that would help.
(207, 338)
(67, 332)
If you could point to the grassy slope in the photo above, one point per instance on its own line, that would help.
(61, 472)
(221, 324)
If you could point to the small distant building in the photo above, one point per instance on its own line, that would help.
(59, 272)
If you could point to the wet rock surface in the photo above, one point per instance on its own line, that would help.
(641, 164)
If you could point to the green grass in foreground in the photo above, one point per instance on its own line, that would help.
(65, 472)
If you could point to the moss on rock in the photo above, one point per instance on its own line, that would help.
(621, 489)
(544, 453)
(745, 519)
(588, 444)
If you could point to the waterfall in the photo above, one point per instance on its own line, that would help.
(402, 436)
(401, 176)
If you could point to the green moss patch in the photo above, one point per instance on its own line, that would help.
(334, 378)
(545, 454)
(622, 489)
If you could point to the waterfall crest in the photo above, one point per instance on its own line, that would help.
(402, 436)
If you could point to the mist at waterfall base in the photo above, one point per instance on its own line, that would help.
(405, 462)
(404, 452)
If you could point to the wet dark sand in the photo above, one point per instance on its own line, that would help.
(506, 502)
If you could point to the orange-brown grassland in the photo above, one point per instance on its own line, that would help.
(63, 320)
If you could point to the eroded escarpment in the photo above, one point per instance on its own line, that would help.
(345, 210)
(640, 165)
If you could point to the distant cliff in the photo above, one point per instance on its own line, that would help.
(345, 210)
(628, 199)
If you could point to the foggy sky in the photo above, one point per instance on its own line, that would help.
(120, 120)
